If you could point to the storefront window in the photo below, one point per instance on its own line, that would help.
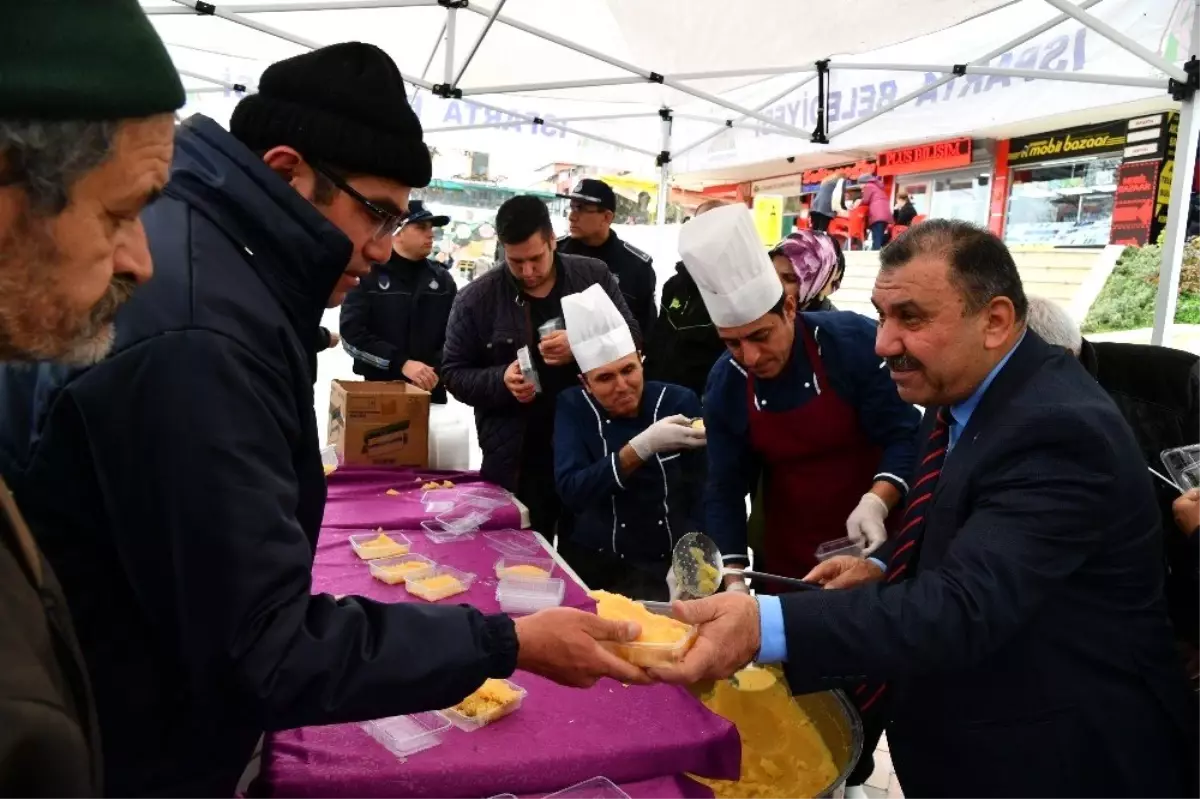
(1066, 204)
(962, 196)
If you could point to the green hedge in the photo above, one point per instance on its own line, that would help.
(1127, 300)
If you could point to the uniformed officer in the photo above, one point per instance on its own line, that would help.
(394, 323)
(593, 205)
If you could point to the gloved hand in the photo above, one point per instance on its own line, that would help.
(866, 523)
(672, 586)
(667, 435)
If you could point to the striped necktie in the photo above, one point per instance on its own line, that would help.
(908, 542)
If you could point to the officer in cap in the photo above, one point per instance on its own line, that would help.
(593, 205)
(394, 323)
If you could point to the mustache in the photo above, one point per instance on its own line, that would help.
(903, 363)
(120, 289)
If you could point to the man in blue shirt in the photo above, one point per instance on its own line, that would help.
(1016, 635)
(627, 462)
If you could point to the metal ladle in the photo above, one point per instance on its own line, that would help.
(695, 581)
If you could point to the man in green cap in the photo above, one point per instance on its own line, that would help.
(177, 486)
(85, 142)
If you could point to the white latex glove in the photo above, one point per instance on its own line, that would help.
(667, 435)
(865, 526)
(671, 585)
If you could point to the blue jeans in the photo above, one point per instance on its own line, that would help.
(877, 230)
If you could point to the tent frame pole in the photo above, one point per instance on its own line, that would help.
(437, 43)
(664, 168)
(1119, 39)
(448, 53)
(550, 123)
(221, 85)
(271, 8)
(983, 69)
(731, 122)
(520, 88)
(515, 116)
(230, 16)
(487, 26)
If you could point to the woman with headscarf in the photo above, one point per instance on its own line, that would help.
(810, 266)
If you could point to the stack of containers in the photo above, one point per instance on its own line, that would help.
(527, 584)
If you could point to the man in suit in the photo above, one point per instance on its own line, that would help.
(1018, 617)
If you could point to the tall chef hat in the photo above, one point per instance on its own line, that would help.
(729, 263)
(595, 328)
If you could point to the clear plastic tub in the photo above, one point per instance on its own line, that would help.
(839, 546)
(439, 533)
(485, 497)
(646, 654)
(329, 460)
(1184, 465)
(595, 788)
(404, 736)
(469, 723)
(519, 567)
(433, 593)
(514, 542)
(359, 542)
(464, 518)
(530, 596)
(385, 569)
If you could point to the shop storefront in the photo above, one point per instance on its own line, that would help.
(1063, 186)
(946, 180)
(797, 190)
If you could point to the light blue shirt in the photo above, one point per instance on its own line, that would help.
(773, 638)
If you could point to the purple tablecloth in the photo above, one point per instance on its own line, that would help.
(641, 738)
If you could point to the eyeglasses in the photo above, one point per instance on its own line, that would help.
(389, 223)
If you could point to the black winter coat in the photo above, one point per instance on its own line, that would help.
(488, 324)
(1157, 390)
(685, 344)
(398, 313)
(633, 269)
(177, 489)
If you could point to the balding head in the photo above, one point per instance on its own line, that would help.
(708, 205)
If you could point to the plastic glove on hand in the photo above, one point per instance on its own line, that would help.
(667, 435)
(866, 524)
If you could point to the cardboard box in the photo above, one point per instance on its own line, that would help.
(379, 424)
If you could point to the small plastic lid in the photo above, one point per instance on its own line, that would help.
(439, 533)
(404, 736)
(595, 788)
(514, 542)
(839, 546)
(464, 518)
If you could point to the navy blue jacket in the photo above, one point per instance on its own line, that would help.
(177, 489)
(846, 343)
(1031, 653)
(640, 515)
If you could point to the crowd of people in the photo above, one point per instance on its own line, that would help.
(1014, 622)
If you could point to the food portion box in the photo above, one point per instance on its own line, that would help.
(487, 496)
(404, 736)
(595, 788)
(677, 636)
(464, 517)
(442, 582)
(329, 460)
(394, 571)
(837, 547)
(1183, 464)
(531, 595)
(379, 544)
(494, 700)
(519, 543)
(438, 533)
(515, 567)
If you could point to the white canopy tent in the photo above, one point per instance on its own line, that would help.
(659, 79)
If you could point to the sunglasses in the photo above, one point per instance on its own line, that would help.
(389, 223)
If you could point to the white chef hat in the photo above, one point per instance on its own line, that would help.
(729, 263)
(595, 328)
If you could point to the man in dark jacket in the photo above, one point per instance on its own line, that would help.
(593, 204)
(685, 344)
(394, 323)
(177, 487)
(85, 142)
(501, 313)
(625, 457)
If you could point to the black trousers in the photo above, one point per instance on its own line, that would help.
(819, 222)
(608, 572)
(873, 724)
(535, 489)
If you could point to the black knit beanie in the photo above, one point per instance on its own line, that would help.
(344, 105)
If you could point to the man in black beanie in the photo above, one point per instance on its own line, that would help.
(177, 487)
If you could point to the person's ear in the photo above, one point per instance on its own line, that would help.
(285, 162)
(999, 318)
(584, 382)
(789, 309)
(608, 217)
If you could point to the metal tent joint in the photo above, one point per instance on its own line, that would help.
(662, 159)
(820, 134)
(1185, 90)
(959, 70)
(446, 91)
(205, 9)
(452, 3)
(239, 88)
(665, 114)
(654, 77)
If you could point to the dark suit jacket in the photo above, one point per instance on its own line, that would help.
(1030, 653)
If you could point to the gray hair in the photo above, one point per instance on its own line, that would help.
(1052, 322)
(708, 205)
(47, 157)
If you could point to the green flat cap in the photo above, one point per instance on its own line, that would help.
(83, 59)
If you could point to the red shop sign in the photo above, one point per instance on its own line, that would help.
(926, 157)
(1133, 207)
(848, 171)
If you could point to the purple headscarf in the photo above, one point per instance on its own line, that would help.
(814, 260)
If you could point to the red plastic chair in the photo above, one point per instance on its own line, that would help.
(840, 227)
(918, 219)
(858, 224)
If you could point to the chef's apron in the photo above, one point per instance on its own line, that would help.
(817, 464)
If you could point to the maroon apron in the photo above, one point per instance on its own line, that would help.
(817, 464)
